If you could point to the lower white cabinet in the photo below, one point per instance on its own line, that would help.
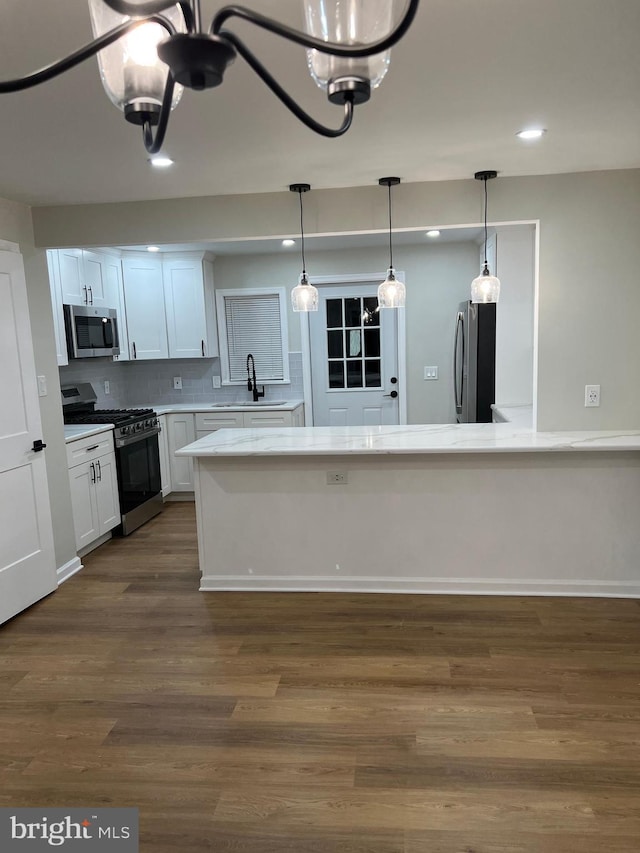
(180, 432)
(94, 487)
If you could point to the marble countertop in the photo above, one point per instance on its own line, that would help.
(518, 415)
(176, 408)
(432, 438)
(72, 432)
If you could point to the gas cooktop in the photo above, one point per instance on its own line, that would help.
(119, 417)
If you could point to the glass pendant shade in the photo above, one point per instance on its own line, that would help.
(391, 293)
(130, 69)
(356, 22)
(304, 296)
(485, 288)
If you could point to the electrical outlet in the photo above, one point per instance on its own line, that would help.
(216, 382)
(337, 478)
(430, 373)
(177, 383)
(107, 387)
(591, 395)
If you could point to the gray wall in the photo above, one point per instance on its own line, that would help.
(589, 258)
(16, 226)
(437, 278)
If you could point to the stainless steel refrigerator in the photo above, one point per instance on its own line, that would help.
(474, 362)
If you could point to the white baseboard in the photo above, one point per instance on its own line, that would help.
(433, 586)
(70, 568)
(175, 497)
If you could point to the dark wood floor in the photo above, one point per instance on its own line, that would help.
(319, 723)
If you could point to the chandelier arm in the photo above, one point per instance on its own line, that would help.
(309, 41)
(152, 143)
(286, 99)
(80, 55)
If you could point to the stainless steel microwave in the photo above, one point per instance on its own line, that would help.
(91, 331)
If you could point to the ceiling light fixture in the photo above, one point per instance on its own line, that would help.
(153, 248)
(486, 287)
(532, 133)
(288, 243)
(304, 296)
(391, 293)
(148, 50)
(433, 233)
(161, 162)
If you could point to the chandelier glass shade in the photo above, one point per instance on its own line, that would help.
(485, 287)
(149, 50)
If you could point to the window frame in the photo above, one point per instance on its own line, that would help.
(240, 292)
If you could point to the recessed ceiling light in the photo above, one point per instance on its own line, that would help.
(161, 162)
(288, 242)
(153, 248)
(433, 233)
(531, 133)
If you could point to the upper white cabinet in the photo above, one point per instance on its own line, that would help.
(190, 306)
(56, 306)
(144, 306)
(82, 277)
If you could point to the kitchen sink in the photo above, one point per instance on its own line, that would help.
(269, 404)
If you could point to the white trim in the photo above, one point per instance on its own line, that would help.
(536, 308)
(69, 569)
(431, 586)
(401, 339)
(8, 246)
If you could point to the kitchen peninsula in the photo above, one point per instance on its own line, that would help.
(471, 508)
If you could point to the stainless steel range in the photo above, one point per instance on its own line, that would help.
(137, 455)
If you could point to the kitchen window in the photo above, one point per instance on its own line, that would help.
(253, 321)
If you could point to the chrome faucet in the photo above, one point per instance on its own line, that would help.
(251, 380)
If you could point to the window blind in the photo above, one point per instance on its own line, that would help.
(254, 326)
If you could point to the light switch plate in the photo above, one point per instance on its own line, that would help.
(42, 386)
(107, 387)
(430, 373)
(216, 382)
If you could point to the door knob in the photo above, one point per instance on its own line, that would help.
(393, 380)
(393, 395)
(38, 445)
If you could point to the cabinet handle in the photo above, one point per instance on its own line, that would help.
(99, 469)
(93, 447)
(90, 289)
(203, 349)
(86, 295)
(134, 349)
(93, 472)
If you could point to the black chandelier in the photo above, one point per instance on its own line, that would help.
(148, 50)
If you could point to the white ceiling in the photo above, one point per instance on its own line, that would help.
(468, 75)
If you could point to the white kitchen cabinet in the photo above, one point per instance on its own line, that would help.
(207, 422)
(180, 431)
(114, 294)
(263, 418)
(163, 447)
(55, 286)
(190, 306)
(82, 277)
(145, 307)
(94, 488)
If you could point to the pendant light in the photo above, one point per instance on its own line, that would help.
(391, 293)
(486, 287)
(304, 296)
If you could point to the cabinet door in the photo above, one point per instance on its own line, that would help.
(185, 307)
(106, 489)
(181, 431)
(144, 302)
(74, 290)
(267, 419)
(114, 296)
(83, 502)
(163, 447)
(93, 278)
(56, 307)
(207, 422)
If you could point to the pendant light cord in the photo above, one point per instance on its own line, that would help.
(390, 242)
(485, 223)
(304, 264)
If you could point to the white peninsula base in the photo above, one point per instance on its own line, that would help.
(556, 522)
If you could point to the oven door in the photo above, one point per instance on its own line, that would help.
(138, 471)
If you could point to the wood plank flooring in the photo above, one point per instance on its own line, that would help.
(322, 723)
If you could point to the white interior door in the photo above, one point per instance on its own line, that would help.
(27, 562)
(354, 358)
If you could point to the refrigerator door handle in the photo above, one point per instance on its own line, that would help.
(458, 391)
